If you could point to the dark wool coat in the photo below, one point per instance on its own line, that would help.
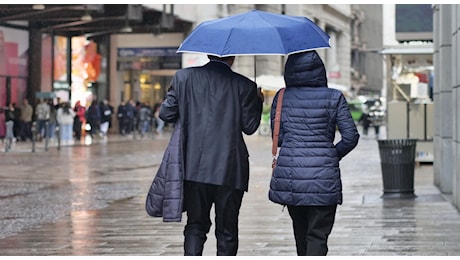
(307, 171)
(216, 106)
(165, 196)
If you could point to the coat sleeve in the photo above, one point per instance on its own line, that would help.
(169, 109)
(252, 109)
(347, 129)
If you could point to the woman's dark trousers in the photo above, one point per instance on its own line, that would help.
(312, 226)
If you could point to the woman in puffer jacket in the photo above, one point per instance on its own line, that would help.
(306, 177)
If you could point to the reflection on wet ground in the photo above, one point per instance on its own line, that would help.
(89, 200)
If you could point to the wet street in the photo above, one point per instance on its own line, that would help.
(88, 200)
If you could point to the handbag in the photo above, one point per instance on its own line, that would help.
(276, 128)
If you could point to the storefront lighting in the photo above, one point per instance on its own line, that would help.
(126, 29)
(86, 17)
(38, 7)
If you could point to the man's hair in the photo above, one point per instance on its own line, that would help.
(213, 57)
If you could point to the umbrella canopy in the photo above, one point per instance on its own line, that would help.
(255, 33)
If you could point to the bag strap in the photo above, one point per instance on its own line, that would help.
(276, 129)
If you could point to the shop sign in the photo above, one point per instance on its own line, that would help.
(147, 52)
(45, 95)
(157, 64)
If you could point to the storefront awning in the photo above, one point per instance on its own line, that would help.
(274, 83)
(407, 50)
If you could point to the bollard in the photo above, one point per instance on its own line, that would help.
(34, 134)
(9, 135)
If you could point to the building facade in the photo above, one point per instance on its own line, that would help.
(446, 95)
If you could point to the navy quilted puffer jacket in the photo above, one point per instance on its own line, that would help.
(307, 171)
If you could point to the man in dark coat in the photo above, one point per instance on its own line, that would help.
(215, 106)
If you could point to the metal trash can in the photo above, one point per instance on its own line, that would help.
(397, 160)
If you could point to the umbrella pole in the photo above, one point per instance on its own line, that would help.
(255, 70)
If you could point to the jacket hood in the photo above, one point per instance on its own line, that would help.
(305, 69)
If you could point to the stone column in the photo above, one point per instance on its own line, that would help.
(35, 59)
(455, 36)
(443, 99)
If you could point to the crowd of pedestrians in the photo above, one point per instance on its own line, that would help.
(55, 120)
(139, 117)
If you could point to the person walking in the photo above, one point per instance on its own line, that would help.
(214, 106)
(65, 116)
(93, 117)
(130, 117)
(9, 123)
(79, 120)
(121, 114)
(17, 120)
(365, 121)
(306, 176)
(42, 112)
(27, 112)
(106, 116)
(52, 122)
(144, 116)
(377, 117)
(2, 125)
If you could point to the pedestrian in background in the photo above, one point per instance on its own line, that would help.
(93, 117)
(365, 121)
(79, 119)
(144, 116)
(52, 122)
(377, 116)
(106, 116)
(9, 123)
(134, 106)
(27, 112)
(129, 117)
(215, 106)
(2, 125)
(42, 113)
(121, 114)
(65, 117)
(17, 120)
(306, 177)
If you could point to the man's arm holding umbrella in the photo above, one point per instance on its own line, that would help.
(169, 110)
(252, 104)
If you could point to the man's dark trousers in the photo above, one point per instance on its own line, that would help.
(198, 201)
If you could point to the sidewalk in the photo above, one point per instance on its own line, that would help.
(89, 200)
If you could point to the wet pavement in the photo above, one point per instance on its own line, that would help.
(88, 200)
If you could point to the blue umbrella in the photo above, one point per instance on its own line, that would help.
(255, 33)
